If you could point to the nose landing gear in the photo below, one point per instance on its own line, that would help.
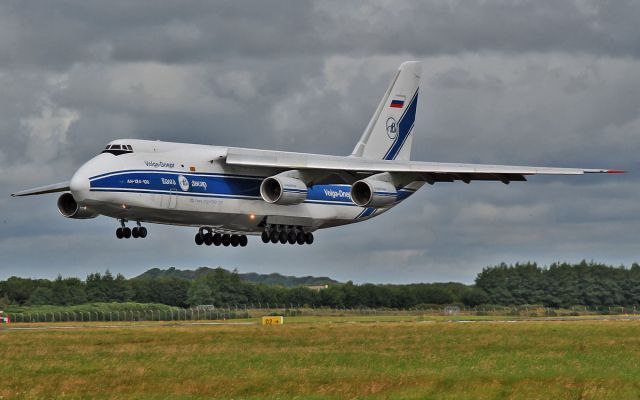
(125, 232)
(139, 231)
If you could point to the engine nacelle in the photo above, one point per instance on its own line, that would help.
(69, 208)
(373, 193)
(283, 190)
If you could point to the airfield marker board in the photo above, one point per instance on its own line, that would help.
(271, 320)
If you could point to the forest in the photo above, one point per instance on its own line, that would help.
(557, 285)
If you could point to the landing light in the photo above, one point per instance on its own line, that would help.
(252, 216)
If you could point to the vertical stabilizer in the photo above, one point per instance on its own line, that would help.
(388, 135)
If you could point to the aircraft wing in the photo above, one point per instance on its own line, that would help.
(56, 187)
(430, 172)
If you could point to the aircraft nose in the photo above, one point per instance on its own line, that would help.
(79, 186)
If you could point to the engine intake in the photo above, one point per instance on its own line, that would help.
(69, 208)
(373, 193)
(283, 190)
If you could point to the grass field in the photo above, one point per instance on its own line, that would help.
(322, 360)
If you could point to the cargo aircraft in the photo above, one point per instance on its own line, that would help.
(228, 193)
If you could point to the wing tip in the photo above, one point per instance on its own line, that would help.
(604, 171)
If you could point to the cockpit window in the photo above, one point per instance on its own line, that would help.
(117, 149)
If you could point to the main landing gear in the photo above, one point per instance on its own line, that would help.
(286, 234)
(216, 238)
(125, 232)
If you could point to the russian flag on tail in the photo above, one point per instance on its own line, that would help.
(398, 102)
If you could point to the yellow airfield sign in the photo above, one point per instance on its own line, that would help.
(272, 320)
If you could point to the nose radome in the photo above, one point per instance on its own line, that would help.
(79, 186)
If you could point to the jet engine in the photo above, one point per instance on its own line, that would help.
(70, 208)
(373, 193)
(284, 190)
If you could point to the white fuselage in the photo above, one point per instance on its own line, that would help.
(188, 184)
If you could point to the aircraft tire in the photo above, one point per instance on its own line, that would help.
(226, 240)
(199, 239)
(274, 237)
(244, 241)
(135, 232)
(119, 233)
(234, 240)
(142, 232)
(291, 237)
(283, 237)
(208, 239)
(265, 237)
(217, 239)
(300, 237)
(309, 238)
(126, 232)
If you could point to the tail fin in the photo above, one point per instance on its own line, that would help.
(389, 133)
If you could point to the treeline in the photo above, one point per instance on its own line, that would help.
(559, 285)
(252, 277)
(220, 287)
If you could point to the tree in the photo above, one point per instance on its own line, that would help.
(41, 296)
(199, 293)
(68, 291)
(120, 289)
(473, 297)
(4, 301)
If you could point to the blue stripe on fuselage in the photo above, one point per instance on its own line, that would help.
(214, 185)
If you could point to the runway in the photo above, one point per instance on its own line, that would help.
(131, 326)
(25, 327)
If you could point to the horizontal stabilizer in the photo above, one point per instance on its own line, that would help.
(56, 187)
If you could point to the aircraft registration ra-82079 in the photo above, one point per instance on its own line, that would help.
(229, 193)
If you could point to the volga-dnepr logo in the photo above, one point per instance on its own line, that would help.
(183, 182)
(392, 127)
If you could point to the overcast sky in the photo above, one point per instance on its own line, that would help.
(541, 82)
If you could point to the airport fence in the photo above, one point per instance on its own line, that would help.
(248, 311)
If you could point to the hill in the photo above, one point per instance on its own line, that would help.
(252, 277)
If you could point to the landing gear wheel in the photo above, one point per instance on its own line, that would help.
(207, 239)
(134, 232)
(217, 239)
(234, 240)
(301, 237)
(199, 239)
(226, 240)
(126, 232)
(244, 241)
(309, 238)
(265, 237)
(142, 232)
(291, 237)
(119, 233)
(283, 237)
(274, 237)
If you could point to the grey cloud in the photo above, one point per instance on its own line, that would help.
(523, 82)
(178, 32)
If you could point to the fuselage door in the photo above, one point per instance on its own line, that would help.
(169, 200)
(172, 200)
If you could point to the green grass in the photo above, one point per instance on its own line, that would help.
(91, 307)
(392, 360)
